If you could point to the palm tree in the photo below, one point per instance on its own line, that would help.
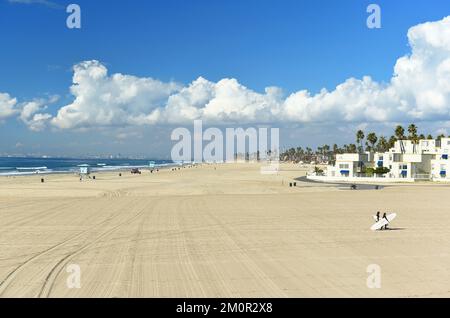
(292, 154)
(383, 144)
(298, 154)
(308, 154)
(391, 142)
(326, 152)
(359, 139)
(400, 135)
(412, 130)
(372, 140)
(320, 150)
(352, 148)
(335, 149)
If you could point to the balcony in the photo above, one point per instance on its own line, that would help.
(352, 157)
(412, 158)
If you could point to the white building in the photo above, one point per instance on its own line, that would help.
(349, 164)
(440, 165)
(406, 161)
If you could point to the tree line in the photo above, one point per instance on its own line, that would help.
(370, 142)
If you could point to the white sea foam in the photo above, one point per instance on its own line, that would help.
(95, 167)
(31, 168)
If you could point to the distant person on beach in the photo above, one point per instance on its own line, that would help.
(378, 216)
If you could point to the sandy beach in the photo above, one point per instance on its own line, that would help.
(219, 231)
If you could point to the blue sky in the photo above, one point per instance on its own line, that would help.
(291, 44)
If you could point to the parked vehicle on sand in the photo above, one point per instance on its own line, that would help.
(135, 171)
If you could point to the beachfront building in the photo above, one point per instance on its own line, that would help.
(440, 165)
(406, 161)
(350, 164)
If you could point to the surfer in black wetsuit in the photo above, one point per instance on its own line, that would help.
(378, 216)
(385, 217)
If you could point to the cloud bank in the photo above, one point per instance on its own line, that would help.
(47, 3)
(418, 91)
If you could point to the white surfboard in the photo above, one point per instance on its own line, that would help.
(379, 225)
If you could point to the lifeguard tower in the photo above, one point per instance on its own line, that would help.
(85, 171)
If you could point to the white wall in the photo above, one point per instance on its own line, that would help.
(439, 165)
(358, 179)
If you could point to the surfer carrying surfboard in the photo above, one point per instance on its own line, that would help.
(385, 217)
(382, 222)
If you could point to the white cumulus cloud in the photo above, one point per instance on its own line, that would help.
(7, 106)
(116, 100)
(32, 113)
(418, 91)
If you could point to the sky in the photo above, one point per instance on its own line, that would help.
(137, 69)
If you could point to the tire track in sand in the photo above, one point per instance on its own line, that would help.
(56, 270)
(9, 278)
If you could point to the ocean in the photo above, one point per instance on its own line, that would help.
(28, 166)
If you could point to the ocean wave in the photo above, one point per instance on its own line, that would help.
(113, 168)
(15, 173)
(23, 173)
(95, 168)
(32, 173)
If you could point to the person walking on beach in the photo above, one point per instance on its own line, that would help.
(385, 217)
(378, 216)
